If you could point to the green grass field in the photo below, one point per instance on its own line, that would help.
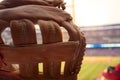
(93, 66)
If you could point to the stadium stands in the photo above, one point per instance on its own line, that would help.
(102, 40)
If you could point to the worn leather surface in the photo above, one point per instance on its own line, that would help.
(21, 16)
(14, 3)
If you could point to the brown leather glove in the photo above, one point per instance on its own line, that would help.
(35, 12)
(38, 12)
(4, 75)
(14, 3)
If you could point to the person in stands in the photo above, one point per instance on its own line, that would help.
(112, 73)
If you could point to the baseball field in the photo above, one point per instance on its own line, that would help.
(93, 66)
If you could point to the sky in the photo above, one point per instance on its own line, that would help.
(94, 12)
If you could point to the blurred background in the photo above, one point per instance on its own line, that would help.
(99, 20)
